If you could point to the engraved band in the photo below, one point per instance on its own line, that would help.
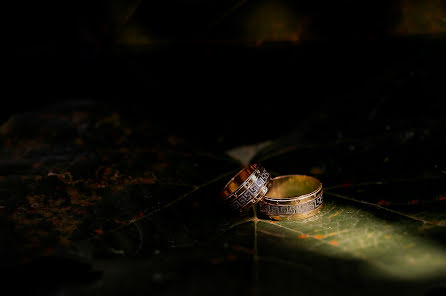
(247, 188)
(292, 197)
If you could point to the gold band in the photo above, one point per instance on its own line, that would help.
(246, 188)
(292, 197)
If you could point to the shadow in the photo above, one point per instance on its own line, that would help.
(47, 276)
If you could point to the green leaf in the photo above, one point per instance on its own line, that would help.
(146, 214)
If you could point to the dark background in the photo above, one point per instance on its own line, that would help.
(226, 73)
(210, 67)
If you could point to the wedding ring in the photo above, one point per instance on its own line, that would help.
(246, 188)
(292, 197)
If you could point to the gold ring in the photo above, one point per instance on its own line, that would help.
(246, 188)
(292, 197)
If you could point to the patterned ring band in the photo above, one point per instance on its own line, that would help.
(246, 188)
(292, 197)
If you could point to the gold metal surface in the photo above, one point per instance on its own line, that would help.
(237, 180)
(292, 197)
(246, 188)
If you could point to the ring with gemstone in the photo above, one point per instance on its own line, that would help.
(292, 197)
(247, 187)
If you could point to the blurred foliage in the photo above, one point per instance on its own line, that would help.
(146, 22)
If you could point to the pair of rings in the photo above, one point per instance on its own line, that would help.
(291, 197)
